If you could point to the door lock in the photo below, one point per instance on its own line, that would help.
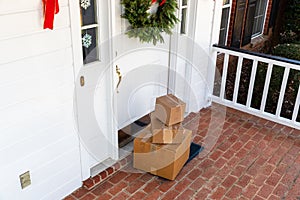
(82, 82)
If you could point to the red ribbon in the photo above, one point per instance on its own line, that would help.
(161, 3)
(51, 8)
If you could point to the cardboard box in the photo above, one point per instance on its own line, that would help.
(169, 109)
(163, 134)
(162, 160)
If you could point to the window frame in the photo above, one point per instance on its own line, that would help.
(224, 6)
(263, 21)
(181, 8)
(95, 25)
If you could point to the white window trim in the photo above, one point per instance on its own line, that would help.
(187, 7)
(264, 23)
(229, 5)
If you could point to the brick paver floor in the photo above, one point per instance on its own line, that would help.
(245, 157)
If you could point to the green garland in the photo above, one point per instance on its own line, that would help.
(149, 27)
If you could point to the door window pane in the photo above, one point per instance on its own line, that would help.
(89, 45)
(224, 26)
(183, 21)
(259, 17)
(88, 12)
(89, 31)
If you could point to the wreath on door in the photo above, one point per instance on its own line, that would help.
(148, 19)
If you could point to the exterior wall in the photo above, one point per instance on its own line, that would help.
(37, 125)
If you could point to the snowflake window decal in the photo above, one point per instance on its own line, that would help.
(85, 4)
(87, 40)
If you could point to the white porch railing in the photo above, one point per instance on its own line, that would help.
(226, 54)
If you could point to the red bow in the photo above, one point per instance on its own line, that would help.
(51, 7)
(161, 3)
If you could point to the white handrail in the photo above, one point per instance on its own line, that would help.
(221, 99)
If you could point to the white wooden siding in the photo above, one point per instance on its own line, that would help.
(37, 122)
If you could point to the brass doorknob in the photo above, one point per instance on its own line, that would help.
(119, 76)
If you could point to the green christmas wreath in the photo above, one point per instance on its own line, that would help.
(150, 18)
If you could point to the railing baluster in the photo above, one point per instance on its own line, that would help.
(251, 85)
(237, 79)
(282, 91)
(266, 87)
(224, 75)
(296, 108)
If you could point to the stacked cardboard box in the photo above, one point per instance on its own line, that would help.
(163, 148)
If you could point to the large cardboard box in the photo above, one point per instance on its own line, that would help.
(162, 160)
(163, 134)
(169, 109)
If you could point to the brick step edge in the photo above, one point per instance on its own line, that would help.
(92, 182)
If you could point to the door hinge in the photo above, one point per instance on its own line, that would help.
(82, 82)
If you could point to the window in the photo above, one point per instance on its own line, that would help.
(183, 24)
(89, 31)
(248, 21)
(224, 22)
(259, 17)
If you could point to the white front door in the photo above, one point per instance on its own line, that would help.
(144, 69)
(93, 87)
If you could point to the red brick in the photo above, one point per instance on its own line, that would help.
(138, 196)
(218, 194)
(273, 197)
(210, 172)
(233, 162)
(100, 189)
(265, 191)
(238, 171)
(213, 183)
(244, 181)
(229, 181)
(223, 172)
(103, 175)
(220, 162)
(234, 192)
(133, 177)
(121, 196)
(118, 177)
(146, 177)
(109, 171)
(259, 180)
(258, 198)
(198, 183)
(171, 195)
(194, 174)
(88, 196)
(117, 166)
(89, 183)
(182, 185)
(80, 192)
(273, 179)
(117, 188)
(156, 194)
(215, 155)
(96, 179)
(249, 145)
(228, 154)
(241, 153)
(202, 193)
(151, 186)
(267, 169)
(250, 191)
(237, 146)
(280, 190)
(133, 187)
(187, 194)
(166, 185)
(104, 197)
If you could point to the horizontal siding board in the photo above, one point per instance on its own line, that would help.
(27, 126)
(10, 7)
(29, 23)
(31, 67)
(35, 143)
(34, 45)
(35, 87)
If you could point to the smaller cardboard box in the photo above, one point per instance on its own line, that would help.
(162, 160)
(169, 109)
(163, 134)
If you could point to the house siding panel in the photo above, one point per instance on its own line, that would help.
(37, 123)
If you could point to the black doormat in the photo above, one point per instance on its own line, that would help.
(195, 149)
